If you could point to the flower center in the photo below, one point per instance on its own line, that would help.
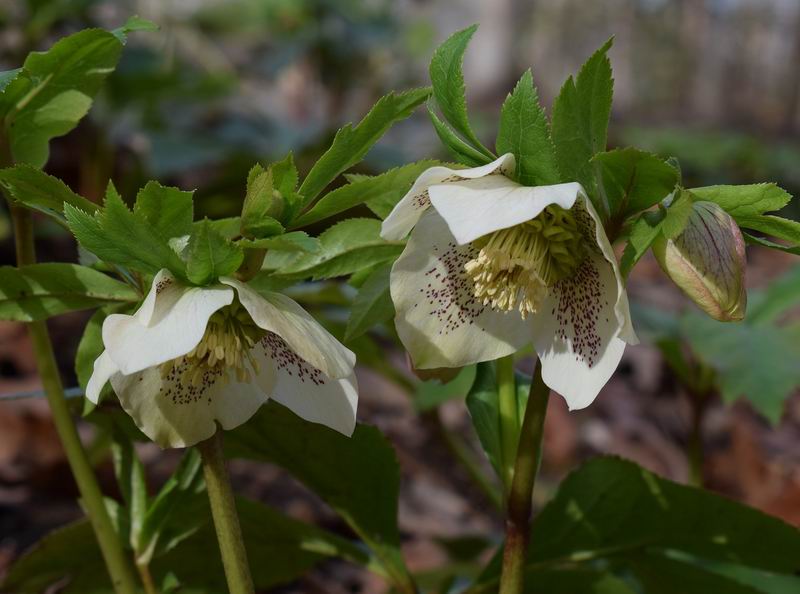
(226, 346)
(516, 267)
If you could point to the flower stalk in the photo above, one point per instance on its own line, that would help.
(526, 466)
(116, 561)
(226, 519)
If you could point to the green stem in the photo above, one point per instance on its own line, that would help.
(509, 417)
(117, 563)
(518, 515)
(226, 520)
(147, 578)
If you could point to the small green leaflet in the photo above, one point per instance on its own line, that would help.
(746, 200)
(372, 305)
(634, 180)
(294, 241)
(580, 124)
(346, 247)
(134, 23)
(263, 205)
(169, 210)
(54, 90)
(460, 150)
(643, 232)
(40, 291)
(118, 236)
(351, 143)
(448, 85)
(37, 190)
(209, 255)
(524, 132)
(384, 189)
(678, 213)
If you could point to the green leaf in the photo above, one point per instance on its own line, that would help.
(358, 476)
(574, 581)
(119, 236)
(482, 403)
(774, 226)
(384, 189)
(7, 76)
(210, 255)
(757, 362)
(788, 249)
(747, 200)
(634, 180)
(613, 514)
(262, 207)
(351, 144)
(345, 247)
(131, 481)
(37, 190)
(448, 85)
(644, 231)
(777, 299)
(580, 119)
(133, 24)
(460, 150)
(169, 211)
(372, 305)
(39, 291)
(54, 90)
(295, 241)
(524, 132)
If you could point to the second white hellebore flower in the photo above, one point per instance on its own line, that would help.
(192, 357)
(492, 265)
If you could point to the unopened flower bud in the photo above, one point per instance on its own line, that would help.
(707, 261)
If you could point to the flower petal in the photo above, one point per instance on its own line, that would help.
(577, 334)
(176, 323)
(407, 212)
(283, 316)
(102, 371)
(476, 207)
(307, 391)
(438, 318)
(621, 308)
(174, 414)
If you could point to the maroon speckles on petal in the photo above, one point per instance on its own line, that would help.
(449, 292)
(162, 284)
(290, 362)
(180, 390)
(580, 302)
(421, 200)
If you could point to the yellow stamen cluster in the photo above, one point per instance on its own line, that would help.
(226, 346)
(516, 266)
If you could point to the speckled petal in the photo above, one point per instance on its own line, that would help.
(476, 207)
(412, 206)
(174, 414)
(307, 391)
(577, 334)
(438, 318)
(283, 316)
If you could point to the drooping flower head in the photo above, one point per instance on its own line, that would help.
(192, 357)
(492, 265)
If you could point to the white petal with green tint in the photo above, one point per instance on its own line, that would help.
(176, 318)
(438, 318)
(176, 414)
(306, 390)
(102, 371)
(477, 207)
(412, 206)
(283, 316)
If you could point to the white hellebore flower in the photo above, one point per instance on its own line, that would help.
(495, 265)
(192, 357)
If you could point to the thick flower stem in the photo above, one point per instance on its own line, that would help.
(226, 520)
(117, 563)
(509, 416)
(518, 514)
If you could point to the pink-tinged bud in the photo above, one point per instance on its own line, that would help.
(707, 261)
